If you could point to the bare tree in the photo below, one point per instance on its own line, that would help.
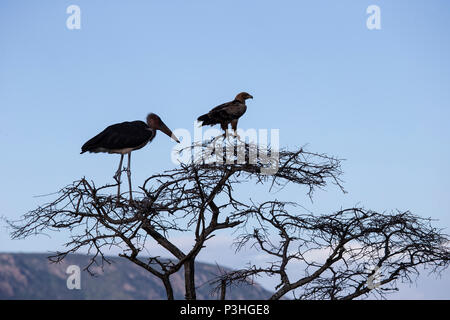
(344, 255)
(316, 257)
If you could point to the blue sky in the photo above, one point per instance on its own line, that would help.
(377, 98)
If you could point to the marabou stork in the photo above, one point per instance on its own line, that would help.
(125, 137)
(227, 113)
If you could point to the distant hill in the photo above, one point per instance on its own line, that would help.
(32, 276)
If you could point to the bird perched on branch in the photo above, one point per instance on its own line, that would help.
(123, 138)
(227, 113)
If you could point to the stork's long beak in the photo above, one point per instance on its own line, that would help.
(167, 131)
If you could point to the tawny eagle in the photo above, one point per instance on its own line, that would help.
(227, 113)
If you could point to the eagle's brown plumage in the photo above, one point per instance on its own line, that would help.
(226, 113)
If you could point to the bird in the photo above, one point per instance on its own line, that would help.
(123, 138)
(226, 113)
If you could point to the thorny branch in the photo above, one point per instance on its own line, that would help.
(338, 253)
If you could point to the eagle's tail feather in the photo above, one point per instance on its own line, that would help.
(206, 120)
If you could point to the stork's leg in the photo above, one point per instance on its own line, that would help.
(129, 176)
(119, 170)
(117, 176)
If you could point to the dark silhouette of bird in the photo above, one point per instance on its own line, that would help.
(227, 113)
(123, 138)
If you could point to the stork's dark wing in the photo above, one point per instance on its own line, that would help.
(224, 113)
(119, 136)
